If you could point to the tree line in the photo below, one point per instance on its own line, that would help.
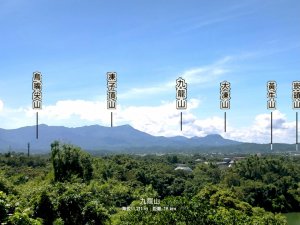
(72, 187)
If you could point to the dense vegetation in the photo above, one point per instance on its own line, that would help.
(71, 187)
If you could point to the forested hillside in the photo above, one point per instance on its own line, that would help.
(72, 187)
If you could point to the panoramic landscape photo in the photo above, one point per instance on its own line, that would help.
(149, 112)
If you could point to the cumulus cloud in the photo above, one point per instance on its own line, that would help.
(162, 120)
(73, 113)
(260, 131)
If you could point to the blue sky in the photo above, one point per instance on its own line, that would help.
(150, 44)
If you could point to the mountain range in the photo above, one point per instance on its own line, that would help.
(124, 139)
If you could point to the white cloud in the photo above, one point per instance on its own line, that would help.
(161, 120)
(198, 75)
(260, 131)
(1, 105)
(206, 74)
(73, 113)
(219, 17)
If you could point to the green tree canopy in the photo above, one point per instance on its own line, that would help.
(69, 161)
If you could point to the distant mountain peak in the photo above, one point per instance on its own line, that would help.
(97, 137)
(125, 125)
(214, 136)
(209, 136)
